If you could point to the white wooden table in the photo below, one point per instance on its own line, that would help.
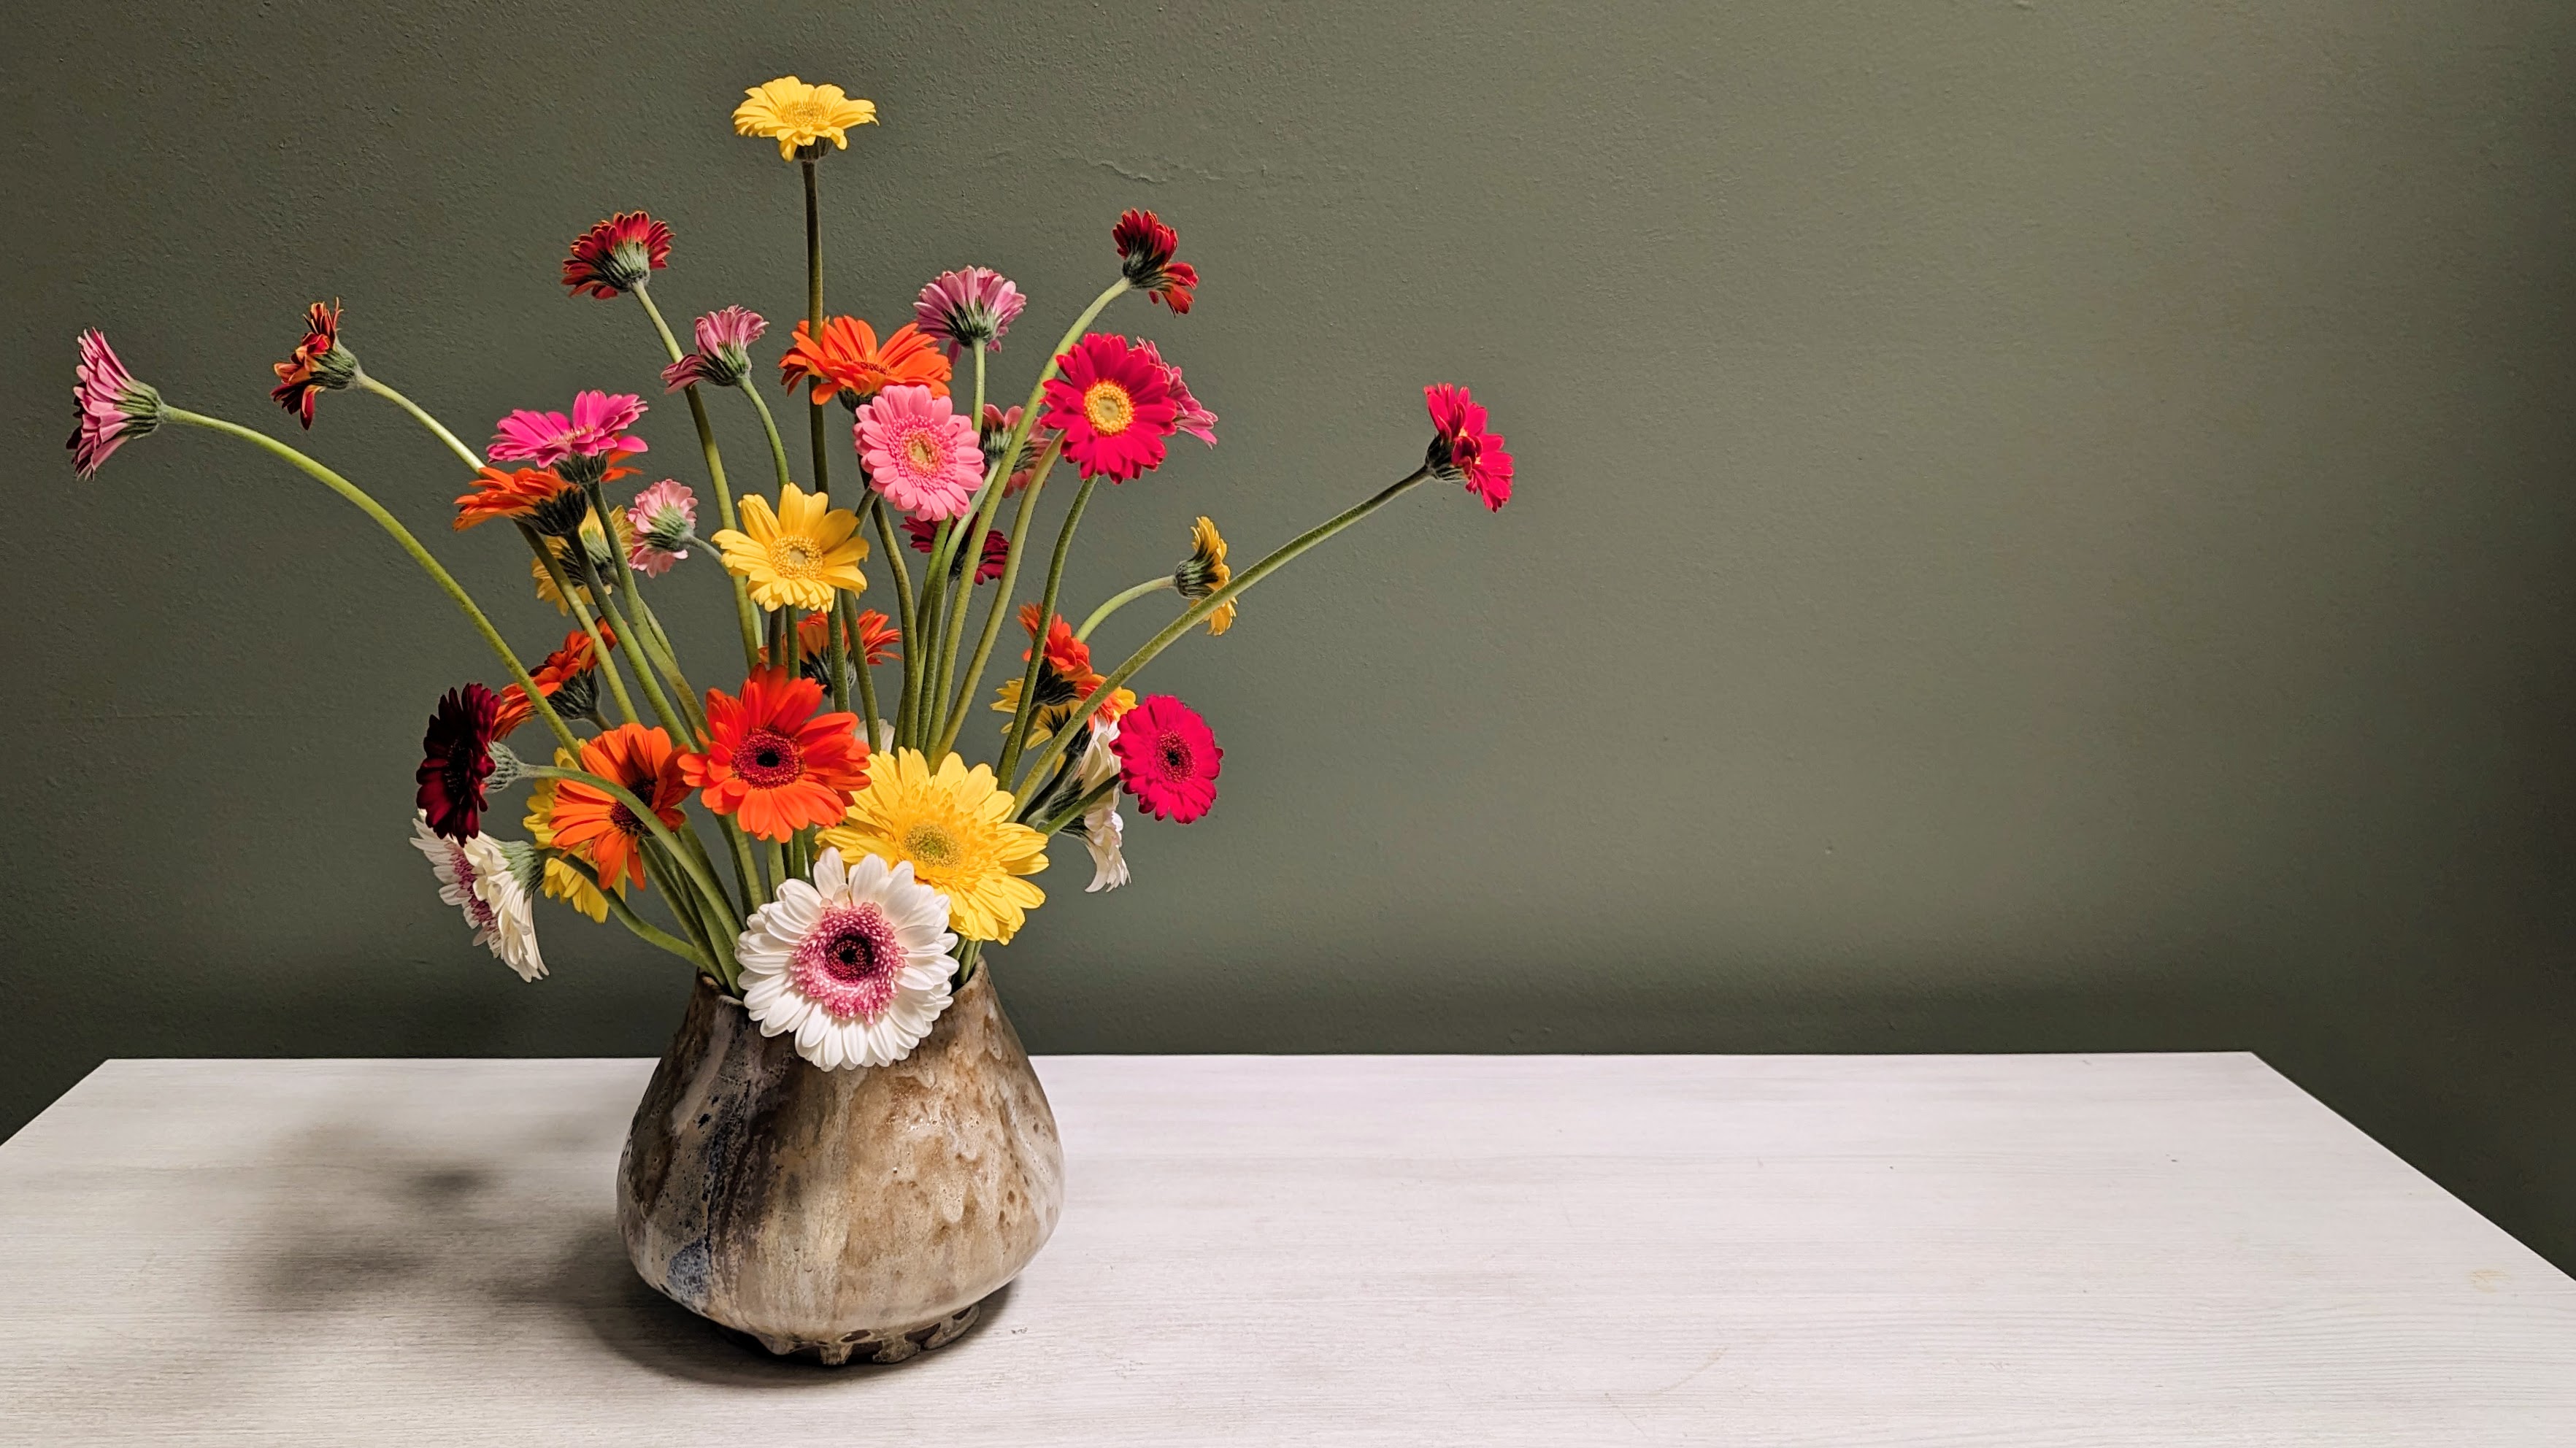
(2060, 1250)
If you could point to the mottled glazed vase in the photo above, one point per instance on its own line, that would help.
(849, 1214)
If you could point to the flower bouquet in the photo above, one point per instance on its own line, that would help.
(844, 865)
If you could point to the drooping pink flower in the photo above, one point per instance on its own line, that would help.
(1462, 450)
(113, 404)
(616, 255)
(963, 309)
(1168, 759)
(996, 436)
(1189, 415)
(665, 518)
(1145, 247)
(723, 357)
(920, 452)
(1114, 405)
(924, 536)
(596, 428)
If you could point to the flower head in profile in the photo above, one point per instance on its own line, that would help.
(550, 505)
(563, 676)
(1168, 759)
(319, 364)
(723, 355)
(558, 879)
(1145, 247)
(853, 965)
(924, 536)
(796, 556)
(772, 761)
(596, 431)
(873, 638)
(1462, 450)
(665, 519)
(1204, 572)
(1103, 833)
(953, 826)
(920, 452)
(597, 826)
(456, 757)
(1189, 415)
(847, 361)
(615, 256)
(967, 309)
(113, 404)
(477, 877)
(1113, 403)
(1065, 679)
(594, 546)
(800, 117)
(994, 431)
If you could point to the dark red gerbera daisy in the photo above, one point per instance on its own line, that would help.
(456, 757)
(997, 548)
(616, 255)
(319, 364)
(1145, 247)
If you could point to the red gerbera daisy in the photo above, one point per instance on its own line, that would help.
(615, 256)
(596, 825)
(540, 495)
(924, 535)
(773, 762)
(1462, 450)
(847, 360)
(566, 668)
(319, 364)
(875, 638)
(1168, 759)
(456, 757)
(1113, 403)
(1145, 247)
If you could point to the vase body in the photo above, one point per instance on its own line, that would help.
(843, 1214)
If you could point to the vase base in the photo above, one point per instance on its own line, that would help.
(881, 1345)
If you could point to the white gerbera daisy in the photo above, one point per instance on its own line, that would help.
(855, 964)
(476, 878)
(1102, 831)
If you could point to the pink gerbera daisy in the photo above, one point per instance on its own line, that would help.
(1188, 415)
(1113, 402)
(966, 308)
(1168, 759)
(723, 357)
(596, 428)
(921, 453)
(616, 255)
(113, 404)
(665, 518)
(1462, 450)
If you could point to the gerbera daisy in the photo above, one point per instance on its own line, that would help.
(560, 880)
(589, 822)
(924, 536)
(920, 452)
(1168, 759)
(1204, 572)
(954, 827)
(594, 543)
(594, 437)
(723, 357)
(1065, 679)
(1188, 414)
(854, 965)
(475, 876)
(113, 404)
(318, 364)
(551, 505)
(800, 117)
(616, 255)
(797, 555)
(560, 676)
(995, 434)
(456, 757)
(1462, 450)
(1114, 405)
(1145, 247)
(969, 308)
(665, 519)
(848, 362)
(877, 637)
(772, 762)
(1103, 833)
(874, 639)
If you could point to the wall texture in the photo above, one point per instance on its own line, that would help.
(2043, 526)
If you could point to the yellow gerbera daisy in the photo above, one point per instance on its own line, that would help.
(955, 828)
(562, 881)
(800, 117)
(797, 555)
(594, 540)
(1204, 572)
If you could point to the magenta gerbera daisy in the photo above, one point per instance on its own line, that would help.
(596, 428)
(1113, 403)
(1188, 415)
(920, 451)
(968, 308)
(114, 405)
(616, 255)
(456, 757)
(1168, 759)
(723, 357)
(1462, 450)
(1145, 247)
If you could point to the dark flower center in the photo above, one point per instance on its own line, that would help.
(847, 963)
(1175, 752)
(767, 759)
(625, 821)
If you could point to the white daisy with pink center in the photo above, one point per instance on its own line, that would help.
(475, 876)
(921, 452)
(854, 964)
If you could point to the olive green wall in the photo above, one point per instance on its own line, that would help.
(2043, 526)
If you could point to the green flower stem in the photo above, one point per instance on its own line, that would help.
(1080, 807)
(947, 543)
(778, 877)
(574, 598)
(1020, 721)
(1198, 613)
(903, 609)
(411, 545)
(845, 612)
(1118, 601)
(836, 656)
(473, 460)
(814, 315)
(715, 468)
(967, 955)
(682, 692)
(925, 693)
(973, 679)
(644, 929)
(769, 426)
(688, 910)
(642, 644)
(580, 553)
(707, 888)
(1046, 374)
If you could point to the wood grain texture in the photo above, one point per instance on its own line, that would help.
(1549, 1251)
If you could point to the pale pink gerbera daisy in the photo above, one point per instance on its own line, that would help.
(596, 428)
(665, 519)
(1192, 417)
(113, 404)
(854, 965)
(968, 308)
(920, 452)
(723, 357)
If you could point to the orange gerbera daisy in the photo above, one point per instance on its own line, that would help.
(539, 495)
(772, 762)
(874, 634)
(1065, 679)
(848, 361)
(591, 823)
(571, 664)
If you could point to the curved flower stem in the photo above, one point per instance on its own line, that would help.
(571, 594)
(777, 444)
(660, 702)
(682, 692)
(1046, 374)
(684, 904)
(1197, 613)
(1080, 807)
(973, 678)
(411, 545)
(645, 930)
(814, 314)
(608, 670)
(903, 607)
(845, 620)
(715, 470)
(1118, 601)
(708, 890)
(473, 461)
(1020, 721)
(948, 544)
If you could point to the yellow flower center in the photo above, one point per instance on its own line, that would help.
(1109, 408)
(922, 450)
(795, 556)
(931, 845)
(806, 115)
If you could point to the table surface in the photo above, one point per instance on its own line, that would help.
(1486, 1250)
